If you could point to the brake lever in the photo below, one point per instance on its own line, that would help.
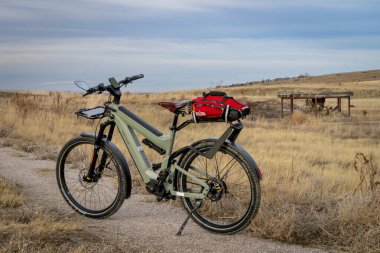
(99, 88)
(89, 92)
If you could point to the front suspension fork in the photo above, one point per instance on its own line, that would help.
(91, 177)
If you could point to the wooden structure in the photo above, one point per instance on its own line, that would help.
(317, 99)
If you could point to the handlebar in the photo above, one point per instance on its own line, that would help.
(131, 78)
(111, 88)
(98, 88)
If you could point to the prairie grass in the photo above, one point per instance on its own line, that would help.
(27, 228)
(309, 184)
(11, 196)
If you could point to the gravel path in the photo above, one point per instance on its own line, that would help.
(141, 224)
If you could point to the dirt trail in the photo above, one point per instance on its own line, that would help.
(141, 224)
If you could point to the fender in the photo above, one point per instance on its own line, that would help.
(249, 158)
(239, 148)
(120, 156)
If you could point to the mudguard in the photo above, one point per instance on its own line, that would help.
(249, 158)
(239, 148)
(120, 156)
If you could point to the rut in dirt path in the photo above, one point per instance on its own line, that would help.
(141, 224)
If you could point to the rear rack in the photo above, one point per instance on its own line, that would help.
(92, 113)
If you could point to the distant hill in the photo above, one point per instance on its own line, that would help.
(358, 76)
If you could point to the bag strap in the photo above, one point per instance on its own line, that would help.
(214, 93)
(217, 94)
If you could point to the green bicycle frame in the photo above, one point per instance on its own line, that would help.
(127, 123)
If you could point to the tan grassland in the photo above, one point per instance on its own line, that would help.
(320, 174)
(28, 228)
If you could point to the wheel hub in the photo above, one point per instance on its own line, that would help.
(217, 188)
(85, 180)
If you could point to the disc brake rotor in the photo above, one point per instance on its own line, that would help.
(85, 184)
(217, 188)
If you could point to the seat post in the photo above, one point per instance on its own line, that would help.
(175, 121)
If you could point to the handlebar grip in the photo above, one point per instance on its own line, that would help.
(132, 78)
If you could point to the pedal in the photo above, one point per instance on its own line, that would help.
(198, 204)
(163, 198)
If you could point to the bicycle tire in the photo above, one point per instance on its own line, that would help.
(252, 186)
(66, 167)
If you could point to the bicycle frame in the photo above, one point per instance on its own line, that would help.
(127, 123)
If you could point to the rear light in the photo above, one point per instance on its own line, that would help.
(259, 173)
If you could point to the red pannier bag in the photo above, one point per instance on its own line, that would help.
(217, 106)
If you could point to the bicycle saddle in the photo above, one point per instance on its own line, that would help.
(174, 106)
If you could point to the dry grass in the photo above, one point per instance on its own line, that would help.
(312, 193)
(10, 196)
(27, 228)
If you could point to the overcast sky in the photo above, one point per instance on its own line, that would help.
(182, 44)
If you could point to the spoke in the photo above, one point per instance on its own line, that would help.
(79, 196)
(237, 180)
(239, 170)
(108, 188)
(106, 165)
(238, 184)
(109, 168)
(72, 180)
(105, 195)
(85, 197)
(234, 195)
(217, 165)
(91, 192)
(100, 202)
(80, 193)
(227, 164)
(233, 165)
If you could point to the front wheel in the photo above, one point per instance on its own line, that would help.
(98, 198)
(234, 197)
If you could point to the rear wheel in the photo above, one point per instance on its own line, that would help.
(234, 197)
(98, 198)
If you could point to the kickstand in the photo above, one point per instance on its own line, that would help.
(198, 204)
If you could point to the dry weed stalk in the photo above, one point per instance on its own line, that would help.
(367, 170)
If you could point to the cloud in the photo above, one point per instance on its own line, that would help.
(180, 44)
(201, 5)
(100, 9)
(174, 64)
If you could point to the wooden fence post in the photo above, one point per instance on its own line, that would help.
(282, 107)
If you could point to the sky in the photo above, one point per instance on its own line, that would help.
(182, 44)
